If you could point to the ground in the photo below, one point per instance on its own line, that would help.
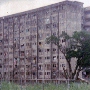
(49, 86)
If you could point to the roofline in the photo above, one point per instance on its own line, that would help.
(40, 8)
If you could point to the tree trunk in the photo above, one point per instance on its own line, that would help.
(65, 73)
(70, 69)
(74, 73)
(77, 74)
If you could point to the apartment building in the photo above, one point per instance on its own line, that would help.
(87, 18)
(24, 54)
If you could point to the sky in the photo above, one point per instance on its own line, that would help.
(8, 7)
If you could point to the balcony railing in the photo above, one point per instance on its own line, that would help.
(87, 23)
(87, 16)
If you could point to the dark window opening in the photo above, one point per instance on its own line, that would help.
(40, 43)
(34, 73)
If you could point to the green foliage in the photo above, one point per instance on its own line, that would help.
(34, 87)
(83, 48)
(76, 46)
(53, 39)
(49, 86)
(9, 86)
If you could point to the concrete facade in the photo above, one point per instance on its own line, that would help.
(87, 19)
(24, 53)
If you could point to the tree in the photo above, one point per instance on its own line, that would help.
(77, 47)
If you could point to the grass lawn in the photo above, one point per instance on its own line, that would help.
(73, 86)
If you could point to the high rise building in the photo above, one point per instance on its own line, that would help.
(87, 18)
(24, 54)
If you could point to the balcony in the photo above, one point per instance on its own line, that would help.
(87, 23)
(28, 77)
(87, 16)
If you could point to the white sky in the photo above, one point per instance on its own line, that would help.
(8, 7)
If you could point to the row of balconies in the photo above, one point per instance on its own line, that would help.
(33, 74)
(87, 16)
(87, 23)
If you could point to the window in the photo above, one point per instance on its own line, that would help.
(0, 60)
(22, 45)
(40, 36)
(45, 73)
(40, 58)
(27, 66)
(28, 22)
(54, 18)
(27, 44)
(48, 67)
(46, 12)
(54, 49)
(27, 73)
(10, 52)
(0, 34)
(60, 57)
(20, 31)
(34, 58)
(0, 66)
(48, 26)
(40, 73)
(48, 57)
(54, 25)
(1, 53)
(5, 27)
(0, 40)
(21, 38)
(63, 57)
(33, 73)
(40, 43)
(22, 60)
(27, 30)
(27, 37)
(15, 72)
(15, 66)
(63, 65)
(54, 33)
(63, 32)
(54, 57)
(40, 27)
(40, 67)
(33, 16)
(34, 43)
(34, 28)
(55, 9)
(11, 40)
(33, 36)
(34, 51)
(33, 23)
(22, 53)
(48, 50)
(5, 73)
(40, 50)
(54, 65)
(5, 46)
(27, 51)
(63, 40)
(48, 34)
(47, 21)
(48, 73)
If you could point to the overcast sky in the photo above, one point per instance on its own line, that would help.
(8, 7)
